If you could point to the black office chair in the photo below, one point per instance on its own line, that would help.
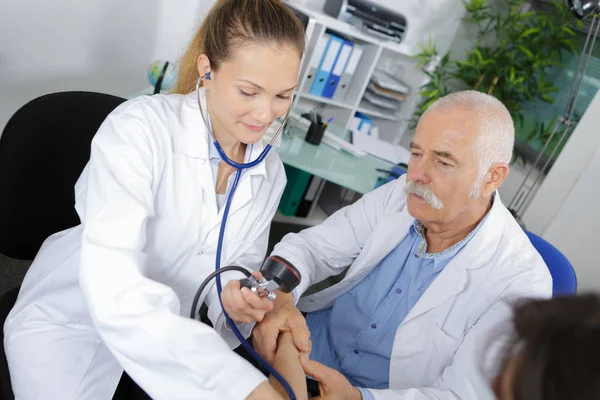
(43, 149)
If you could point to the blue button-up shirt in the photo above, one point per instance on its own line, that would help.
(356, 335)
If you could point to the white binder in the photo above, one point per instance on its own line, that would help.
(315, 61)
(342, 88)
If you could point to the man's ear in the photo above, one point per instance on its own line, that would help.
(494, 178)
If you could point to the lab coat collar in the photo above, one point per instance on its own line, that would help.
(452, 251)
(475, 254)
(193, 140)
(481, 247)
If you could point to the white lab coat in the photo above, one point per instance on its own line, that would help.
(451, 326)
(116, 291)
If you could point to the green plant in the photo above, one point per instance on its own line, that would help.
(542, 132)
(515, 50)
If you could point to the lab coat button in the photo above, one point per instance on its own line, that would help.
(200, 252)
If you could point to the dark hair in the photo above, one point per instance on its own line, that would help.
(560, 357)
(231, 23)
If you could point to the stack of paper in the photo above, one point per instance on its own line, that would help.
(380, 149)
(388, 82)
(385, 91)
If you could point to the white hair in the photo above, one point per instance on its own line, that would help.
(496, 138)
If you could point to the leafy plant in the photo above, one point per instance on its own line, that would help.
(515, 50)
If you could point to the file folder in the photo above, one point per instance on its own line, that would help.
(365, 123)
(338, 69)
(297, 183)
(344, 83)
(331, 53)
(355, 123)
(315, 61)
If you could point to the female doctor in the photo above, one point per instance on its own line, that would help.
(115, 292)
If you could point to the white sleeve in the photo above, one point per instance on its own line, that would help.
(483, 345)
(169, 356)
(325, 250)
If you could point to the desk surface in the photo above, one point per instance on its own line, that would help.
(355, 173)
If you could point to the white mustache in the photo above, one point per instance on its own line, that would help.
(423, 191)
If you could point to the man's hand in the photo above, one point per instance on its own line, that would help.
(242, 305)
(332, 384)
(284, 317)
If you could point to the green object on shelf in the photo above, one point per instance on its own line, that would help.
(297, 182)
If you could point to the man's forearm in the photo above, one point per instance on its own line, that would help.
(287, 363)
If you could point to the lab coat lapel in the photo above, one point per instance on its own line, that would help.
(191, 141)
(450, 282)
(388, 234)
(454, 278)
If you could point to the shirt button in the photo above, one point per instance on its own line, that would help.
(356, 351)
(200, 252)
(398, 291)
(374, 326)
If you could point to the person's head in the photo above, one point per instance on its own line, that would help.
(555, 353)
(252, 50)
(460, 154)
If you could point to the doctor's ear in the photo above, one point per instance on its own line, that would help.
(204, 70)
(494, 178)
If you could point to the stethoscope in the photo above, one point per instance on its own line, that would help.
(240, 167)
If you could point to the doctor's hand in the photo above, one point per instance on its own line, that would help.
(284, 317)
(242, 305)
(332, 384)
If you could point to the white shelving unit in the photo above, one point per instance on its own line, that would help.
(325, 100)
(391, 57)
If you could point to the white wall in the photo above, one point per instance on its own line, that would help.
(97, 45)
(566, 209)
(567, 170)
(107, 45)
(439, 19)
(575, 227)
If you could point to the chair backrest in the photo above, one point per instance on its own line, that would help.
(7, 301)
(43, 149)
(563, 274)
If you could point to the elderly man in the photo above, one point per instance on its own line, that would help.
(436, 261)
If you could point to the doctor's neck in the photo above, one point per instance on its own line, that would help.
(231, 145)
